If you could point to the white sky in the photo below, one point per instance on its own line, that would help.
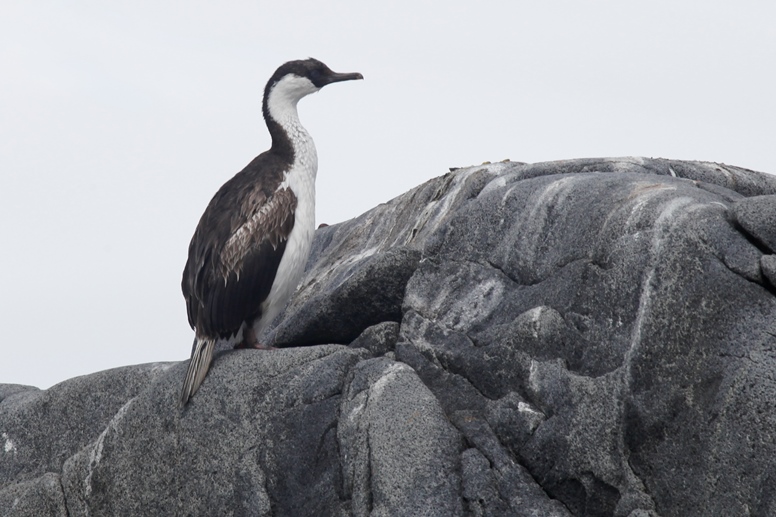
(119, 121)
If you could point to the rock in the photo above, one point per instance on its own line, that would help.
(757, 215)
(372, 294)
(38, 497)
(379, 339)
(6, 390)
(260, 440)
(585, 337)
(768, 265)
(39, 430)
(401, 454)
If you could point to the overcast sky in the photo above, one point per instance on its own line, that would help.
(120, 120)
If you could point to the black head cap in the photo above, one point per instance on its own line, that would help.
(318, 73)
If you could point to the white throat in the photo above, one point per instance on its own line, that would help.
(281, 104)
(285, 95)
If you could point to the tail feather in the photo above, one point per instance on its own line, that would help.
(201, 357)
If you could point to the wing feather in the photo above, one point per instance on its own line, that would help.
(233, 258)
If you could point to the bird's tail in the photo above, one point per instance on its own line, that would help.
(201, 356)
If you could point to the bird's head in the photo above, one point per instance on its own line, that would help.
(297, 79)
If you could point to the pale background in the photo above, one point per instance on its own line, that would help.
(120, 120)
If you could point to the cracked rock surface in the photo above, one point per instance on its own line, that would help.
(588, 337)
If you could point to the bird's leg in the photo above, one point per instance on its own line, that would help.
(250, 341)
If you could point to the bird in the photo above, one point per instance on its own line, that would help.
(251, 244)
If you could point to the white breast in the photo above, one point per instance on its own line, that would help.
(301, 179)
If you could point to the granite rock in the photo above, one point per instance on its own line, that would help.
(757, 216)
(587, 337)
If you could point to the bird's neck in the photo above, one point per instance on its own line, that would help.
(289, 138)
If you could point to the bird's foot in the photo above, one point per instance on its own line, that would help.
(249, 341)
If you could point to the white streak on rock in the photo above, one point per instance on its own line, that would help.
(533, 375)
(96, 453)
(342, 264)
(661, 229)
(497, 183)
(356, 411)
(642, 193)
(388, 375)
(472, 306)
(524, 407)
(535, 314)
(532, 233)
(435, 211)
(8, 446)
(358, 257)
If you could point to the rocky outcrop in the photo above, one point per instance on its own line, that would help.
(587, 337)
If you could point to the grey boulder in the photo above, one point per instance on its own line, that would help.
(587, 337)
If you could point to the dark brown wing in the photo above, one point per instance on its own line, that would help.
(234, 256)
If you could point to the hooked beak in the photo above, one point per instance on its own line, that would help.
(336, 78)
